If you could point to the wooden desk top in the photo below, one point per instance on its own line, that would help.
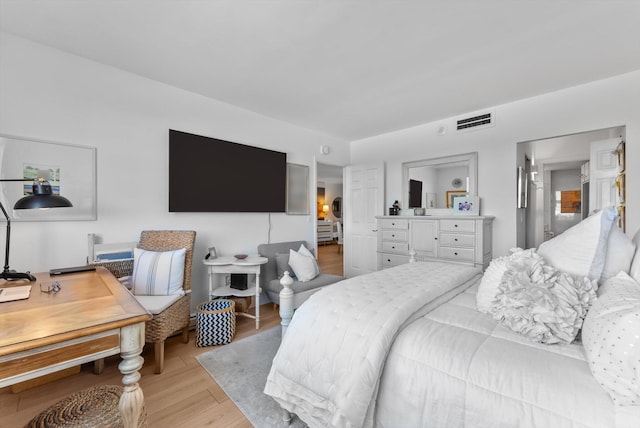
(88, 303)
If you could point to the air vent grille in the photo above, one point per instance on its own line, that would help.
(482, 120)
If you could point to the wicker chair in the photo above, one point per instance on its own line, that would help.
(176, 316)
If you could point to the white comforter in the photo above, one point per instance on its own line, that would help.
(457, 367)
(365, 315)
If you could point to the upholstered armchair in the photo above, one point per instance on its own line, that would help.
(170, 313)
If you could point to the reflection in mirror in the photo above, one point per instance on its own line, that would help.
(429, 183)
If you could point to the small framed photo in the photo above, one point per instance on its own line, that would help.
(466, 205)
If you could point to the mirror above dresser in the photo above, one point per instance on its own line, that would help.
(432, 183)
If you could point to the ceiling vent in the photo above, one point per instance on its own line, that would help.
(477, 121)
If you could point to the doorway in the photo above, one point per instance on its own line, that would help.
(559, 192)
(329, 211)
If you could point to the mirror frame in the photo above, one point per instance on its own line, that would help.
(470, 158)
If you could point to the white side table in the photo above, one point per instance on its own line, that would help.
(229, 264)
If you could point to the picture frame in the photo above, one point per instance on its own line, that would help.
(71, 169)
(454, 193)
(466, 205)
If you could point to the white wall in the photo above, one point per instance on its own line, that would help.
(602, 104)
(50, 95)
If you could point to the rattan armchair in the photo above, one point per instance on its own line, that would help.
(176, 317)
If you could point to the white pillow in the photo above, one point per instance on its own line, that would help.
(581, 249)
(620, 251)
(303, 266)
(492, 277)
(541, 302)
(611, 340)
(158, 273)
(305, 252)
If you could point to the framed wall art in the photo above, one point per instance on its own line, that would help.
(452, 194)
(70, 169)
(466, 205)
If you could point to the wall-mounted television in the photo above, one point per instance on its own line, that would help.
(211, 175)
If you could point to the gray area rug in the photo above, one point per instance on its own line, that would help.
(241, 369)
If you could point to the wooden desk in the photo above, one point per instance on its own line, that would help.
(91, 317)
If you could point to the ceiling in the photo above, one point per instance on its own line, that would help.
(347, 68)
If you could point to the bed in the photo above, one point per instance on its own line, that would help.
(409, 346)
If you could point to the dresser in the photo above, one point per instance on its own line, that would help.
(325, 231)
(464, 239)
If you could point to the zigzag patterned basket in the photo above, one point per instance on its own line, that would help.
(215, 322)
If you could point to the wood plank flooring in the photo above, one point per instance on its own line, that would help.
(184, 395)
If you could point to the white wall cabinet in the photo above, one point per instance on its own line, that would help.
(464, 239)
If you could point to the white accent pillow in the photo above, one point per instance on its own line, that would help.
(303, 266)
(581, 249)
(492, 277)
(541, 302)
(611, 340)
(305, 252)
(158, 273)
(620, 251)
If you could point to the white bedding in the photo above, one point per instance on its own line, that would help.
(329, 363)
(429, 359)
(457, 367)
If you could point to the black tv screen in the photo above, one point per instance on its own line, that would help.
(211, 175)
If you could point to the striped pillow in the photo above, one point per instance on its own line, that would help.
(158, 273)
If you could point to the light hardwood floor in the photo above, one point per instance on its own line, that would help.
(184, 395)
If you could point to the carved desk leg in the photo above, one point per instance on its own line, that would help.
(286, 301)
(132, 399)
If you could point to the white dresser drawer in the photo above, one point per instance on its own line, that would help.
(391, 260)
(457, 240)
(395, 235)
(457, 226)
(388, 223)
(395, 246)
(460, 254)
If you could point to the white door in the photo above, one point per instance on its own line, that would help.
(603, 170)
(363, 201)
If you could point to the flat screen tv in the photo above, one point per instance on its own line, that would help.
(211, 175)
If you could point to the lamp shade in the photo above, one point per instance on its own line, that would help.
(42, 197)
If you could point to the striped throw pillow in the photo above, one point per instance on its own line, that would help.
(158, 273)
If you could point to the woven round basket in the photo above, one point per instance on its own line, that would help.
(92, 407)
(215, 322)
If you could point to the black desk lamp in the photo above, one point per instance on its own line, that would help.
(42, 197)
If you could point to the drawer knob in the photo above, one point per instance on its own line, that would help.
(393, 224)
(393, 247)
(393, 236)
(389, 260)
(455, 239)
(455, 225)
(455, 254)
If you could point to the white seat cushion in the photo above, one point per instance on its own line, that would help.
(157, 304)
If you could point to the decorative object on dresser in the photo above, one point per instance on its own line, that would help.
(466, 205)
(465, 240)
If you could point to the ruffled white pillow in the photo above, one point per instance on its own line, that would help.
(492, 277)
(542, 303)
(582, 249)
(611, 339)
